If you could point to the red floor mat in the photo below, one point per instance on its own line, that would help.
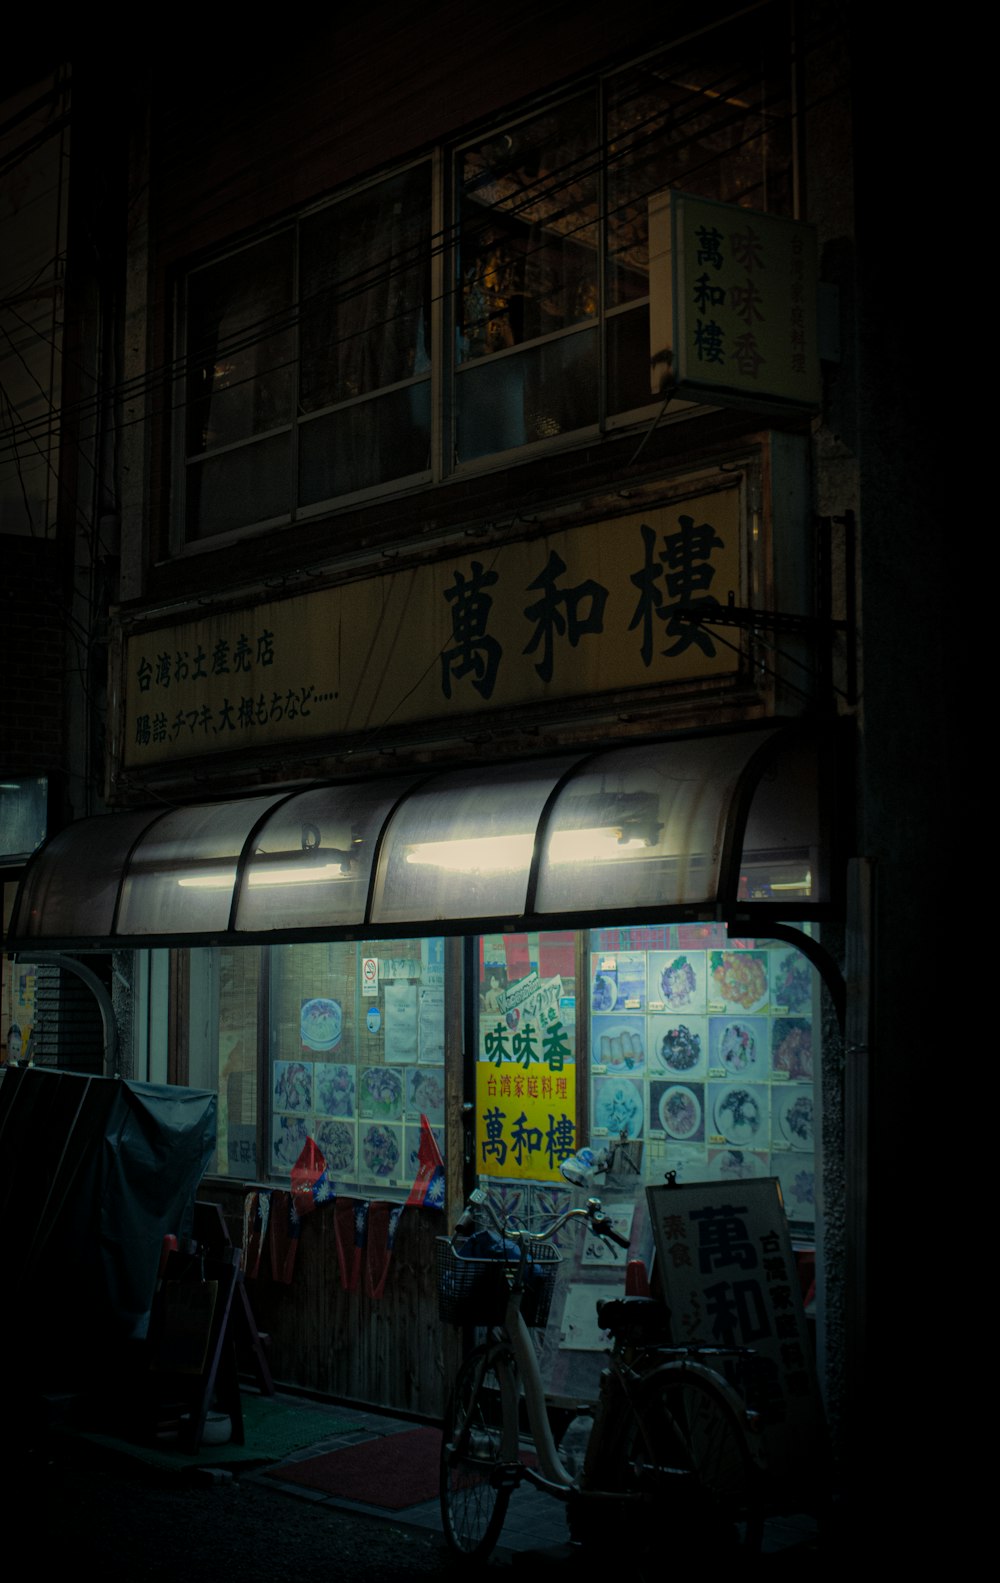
(394, 1471)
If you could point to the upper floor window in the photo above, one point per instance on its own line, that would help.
(308, 373)
(310, 352)
(529, 290)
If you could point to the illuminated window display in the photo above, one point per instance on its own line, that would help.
(356, 1043)
(354, 1056)
(701, 1046)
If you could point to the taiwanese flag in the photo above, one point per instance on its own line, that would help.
(428, 1186)
(311, 1184)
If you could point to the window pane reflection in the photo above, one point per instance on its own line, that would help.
(528, 248)
(716, 124)
(241, 376)
(249, 484)
(364, 445)
(365, 291)
(540, 393)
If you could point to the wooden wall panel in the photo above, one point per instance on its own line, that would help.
(389, 1352)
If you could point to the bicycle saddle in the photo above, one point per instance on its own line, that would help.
(638, 1319)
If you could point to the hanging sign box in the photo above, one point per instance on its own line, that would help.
(733, 296)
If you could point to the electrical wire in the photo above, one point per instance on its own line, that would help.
(350, 288)
(635, 146)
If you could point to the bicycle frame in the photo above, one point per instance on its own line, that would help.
(630, 1380)
(554, 1476)
(667, 1425)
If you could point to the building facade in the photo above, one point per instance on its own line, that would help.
(486, 422)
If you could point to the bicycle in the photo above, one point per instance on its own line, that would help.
(670, 1434)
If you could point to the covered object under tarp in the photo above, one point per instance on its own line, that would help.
(94, 1172)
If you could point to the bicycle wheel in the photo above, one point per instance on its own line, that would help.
(690, 1427)
(682, 1447)
(473, 1500)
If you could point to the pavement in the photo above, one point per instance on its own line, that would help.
(248, 1508)
(535, 1522)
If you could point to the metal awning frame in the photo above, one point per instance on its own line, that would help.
(748, 917)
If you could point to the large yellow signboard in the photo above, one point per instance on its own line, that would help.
(599, 608)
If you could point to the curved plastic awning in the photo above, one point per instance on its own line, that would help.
(680, 828)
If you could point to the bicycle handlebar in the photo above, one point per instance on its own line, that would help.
(602, 1225)
(592, 1212)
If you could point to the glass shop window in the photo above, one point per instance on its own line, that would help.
(695, 1051)
(705, 1048)
(220, 989)
(356, 1057)
(342, 1043)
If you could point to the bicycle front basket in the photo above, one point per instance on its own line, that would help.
(474, 1291)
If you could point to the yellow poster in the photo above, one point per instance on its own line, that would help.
(17, 1012)
(525, 1120)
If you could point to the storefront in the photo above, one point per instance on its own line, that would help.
(471, 726)
(368, 475)
(623, 943)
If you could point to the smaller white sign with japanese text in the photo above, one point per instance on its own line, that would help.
(733, 295)
(729, 1277)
